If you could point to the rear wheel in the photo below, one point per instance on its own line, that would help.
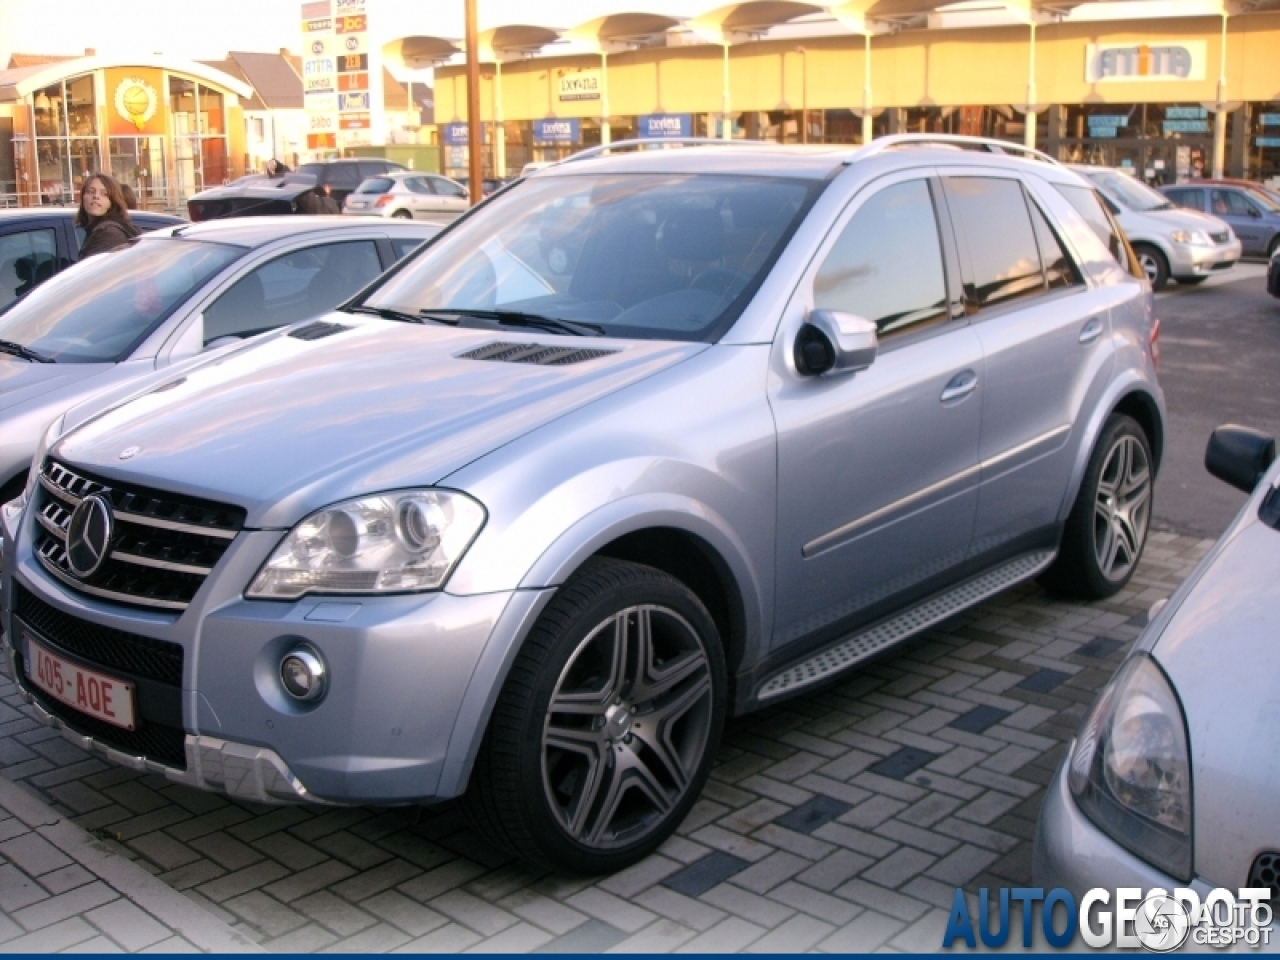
(1154, 264)
(402, 215)
(1107, 529)
(605, 730)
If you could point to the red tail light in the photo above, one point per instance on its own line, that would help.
(1153, 342)
(383, 200)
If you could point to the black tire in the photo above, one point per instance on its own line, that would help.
(616, 772)
(1154, 264)
(402, 215)
(1106, 532)
(1273, 246)
(1191, 281)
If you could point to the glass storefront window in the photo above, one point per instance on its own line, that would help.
(50, 120)
(82, 113)
(1262, 148)
(211, 117)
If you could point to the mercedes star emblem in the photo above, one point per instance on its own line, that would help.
(89, 535)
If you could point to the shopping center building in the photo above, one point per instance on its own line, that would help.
(1150, 92)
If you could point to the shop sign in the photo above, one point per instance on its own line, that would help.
(322, 141)
(1269, 119)
(352, 43)
(1186, 120)
(134, 102)
(1103, 125)
(319, 84)
(1139, 62)
(353, 81)
(322, 122)
(661, 125)
(317, 66)
(354, 121)
(351, 24)
(557, 130)
(1267, 141)
(349, 102)
(583, 85)
(455, 134)
(317, 26)
(315, 9)
(349, 7)
(353, 62)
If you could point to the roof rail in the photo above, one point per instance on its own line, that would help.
(988, 144)
(641, 144)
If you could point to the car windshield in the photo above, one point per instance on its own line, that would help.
(100, 309)
(1128, 192)
(1265, 198)
(661, 257)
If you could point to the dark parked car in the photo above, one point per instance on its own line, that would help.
(37, 242)
(1252, 212)
(270, 196)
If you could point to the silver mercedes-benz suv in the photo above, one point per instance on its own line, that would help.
(651, 438)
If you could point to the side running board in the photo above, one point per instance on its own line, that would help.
(848, 651)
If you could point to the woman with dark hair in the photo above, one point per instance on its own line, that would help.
(104, 215)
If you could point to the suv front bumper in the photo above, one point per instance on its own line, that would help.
(1187, 260)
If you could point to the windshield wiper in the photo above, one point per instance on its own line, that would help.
(387, 313)
(515, 318)
(18, 350)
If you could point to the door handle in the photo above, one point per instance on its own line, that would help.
(959, 386)
(1091, 331)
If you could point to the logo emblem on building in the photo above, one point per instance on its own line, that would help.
(136, 101)
(89, 535)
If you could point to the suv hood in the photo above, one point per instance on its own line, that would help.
(292, 425)
(1167, 221)
(21, 380)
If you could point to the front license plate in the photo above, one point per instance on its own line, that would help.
(101, 697)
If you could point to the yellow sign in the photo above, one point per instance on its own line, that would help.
(135, 102)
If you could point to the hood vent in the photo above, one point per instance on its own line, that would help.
(318, 330)
(535, 353)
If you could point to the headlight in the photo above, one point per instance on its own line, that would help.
(1130, 770)
(396, 542)
(1195, 238)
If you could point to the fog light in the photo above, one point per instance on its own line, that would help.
(303, 675)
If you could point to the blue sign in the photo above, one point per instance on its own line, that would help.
(660, 125)
(1185, 113)
(1108, 120)
(1268, 141)
(1269, 119)
(557, 130)
(1186, 126)
(455, 134)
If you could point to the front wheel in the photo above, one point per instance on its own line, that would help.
(1154, 264)
(1107, 529)
(604, 733)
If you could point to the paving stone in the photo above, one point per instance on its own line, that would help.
(614, 910)
(307, 939)
(641, 876)
(749, 906)
(594, 936)
(380, 878)
(815, 902)
(226, 851)
(265, 913)
(521, 938)
(833, 788)
(768, 873)
(440, 880)
(857, 840)
(899, 867)
(192, 874)
(789, 840)
(380, 938)
(162, 850)
(33, 854)
(451, 938)
(872, 812)
(1099, 648)
(1043, 680)
(685, 911)
(136, 796)
(811, 815)
(925, 840)
(875, 897)
(284, 847)
(661, 936)
(68, 878)
(408, 915)
(471, 911)
(242, 881)
(98, 945)
(730, 935)
(835, 869)
(962, 865)
(930, 891)
(732, 843)
(128, 925)
(863, 934)
(350, 849)
(700, 876)
(775, 790)
(987, 807)
(17, 890)
(308, 881)
(53, 939)
(796, 935)
(64, 906)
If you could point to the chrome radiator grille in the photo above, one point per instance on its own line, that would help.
(161, 548)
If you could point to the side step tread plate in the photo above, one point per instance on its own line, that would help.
(850, 650)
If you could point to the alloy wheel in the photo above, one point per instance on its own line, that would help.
(1149, 267)
(627, 726)
(1122, 507)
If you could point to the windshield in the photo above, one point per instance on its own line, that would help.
(1265, 198)
(100, 309)
(1128, 192)
(662, 257)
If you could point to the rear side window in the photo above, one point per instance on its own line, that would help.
(27, 259)
(1095, 212)
(296, 286)
(447, 188)
(1230, 202)
(419, 185)
(375, 185)
(887, 263)
(343, 174)
(991, 218)
(402, 248)
(1192, 199)
(1059, 271)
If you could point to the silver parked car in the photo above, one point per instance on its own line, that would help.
(409, 196)
(169, 296)
(1174, 777)
(651, 438)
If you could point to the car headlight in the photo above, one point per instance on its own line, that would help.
(1194, 238)
(1130, 770)
(398, 542)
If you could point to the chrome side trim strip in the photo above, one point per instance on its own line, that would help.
(106, 594)
(174, 525)
(1015, 453)
(850, 530)
(160, 564)
(857, 647)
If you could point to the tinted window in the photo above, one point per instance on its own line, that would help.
(1194, 199)
(1229, 202)
(887, 263)
(373, 169)
(26, 259)
(1059, 271)
(298, 285)
(447, 188)
(1091, 206)
(100, 310)
(402, 248)
(375, 185)
(991, 219)
(343, 174)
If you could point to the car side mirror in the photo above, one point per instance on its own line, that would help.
(1255, 213)
(1239, 455)
(833, 342)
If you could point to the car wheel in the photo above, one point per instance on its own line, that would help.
(1104, 535)
(1273, 246)
(402, 215)
(605, 730)
(1154, 264)
(1191, 281)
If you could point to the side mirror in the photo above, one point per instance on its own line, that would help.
(1239, 455)
(832, 342)
(1255, 213)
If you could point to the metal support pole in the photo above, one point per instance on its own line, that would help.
(804, 95)
(605, 132)
(1220, 115)
(1029, 127)
(726, 129)
(866, 88)
(475, 142)
(499, 127)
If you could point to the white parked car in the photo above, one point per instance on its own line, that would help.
(1186, 245)
(407, 195)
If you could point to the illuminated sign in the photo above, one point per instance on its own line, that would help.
(1141, 62)
(351, 63)
(556, 130)
(583, 85)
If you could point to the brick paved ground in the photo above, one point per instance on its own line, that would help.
(841, 821)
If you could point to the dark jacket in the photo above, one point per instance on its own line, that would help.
(314, 203)
(106, 234)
